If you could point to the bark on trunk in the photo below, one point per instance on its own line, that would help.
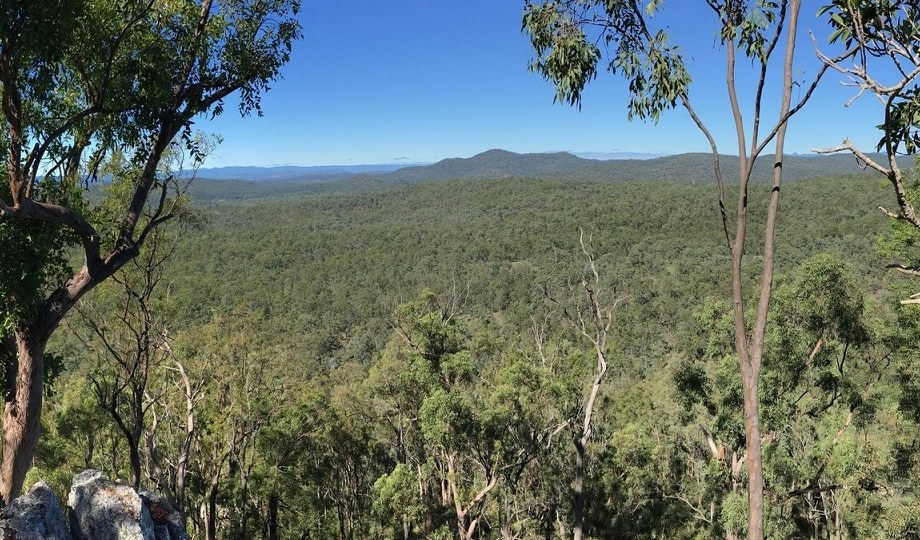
(754, 456)
(186, 449)
(579, 498)
(25, 379)
(465, 512)
(273, 517)
(210, 528)
(134, 454)
(22, 414)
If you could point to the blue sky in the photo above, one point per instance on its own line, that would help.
(407, 81)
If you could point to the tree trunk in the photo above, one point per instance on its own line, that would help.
(579, 499)
(134, 454)
(273, 517)
(89, 451)
(186, 449)
(506, 522)
(466, 512)
(23, 393)
(22, 413)
(754, 455)
(838, 522)
(210, 528)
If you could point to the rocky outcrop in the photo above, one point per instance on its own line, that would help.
(99, 510)
(37, 515)
(167, 521)
(104, 510)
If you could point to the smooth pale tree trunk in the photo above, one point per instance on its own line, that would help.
(467, 527)
(186, 449)
(754, 457)
(749, 346)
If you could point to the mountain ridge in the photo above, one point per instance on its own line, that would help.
(499, 164)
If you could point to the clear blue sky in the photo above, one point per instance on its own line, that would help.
(392, 81)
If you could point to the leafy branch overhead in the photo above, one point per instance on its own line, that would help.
(885, 34)
(567, 37)
(887, 66)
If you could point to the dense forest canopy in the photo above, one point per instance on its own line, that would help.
(358, 362)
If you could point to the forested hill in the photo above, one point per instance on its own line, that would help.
(677, 168)
(253, 182)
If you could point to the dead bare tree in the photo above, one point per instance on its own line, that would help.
(590, 314)
(171, 474)
(129, 344)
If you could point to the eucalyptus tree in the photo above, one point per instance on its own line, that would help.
(566, 34)
(828, 384)
(82, 81)
(887, 66)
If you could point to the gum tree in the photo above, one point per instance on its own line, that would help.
(887, 66)
(88, 86)
(571, 39)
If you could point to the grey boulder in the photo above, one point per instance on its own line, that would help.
(105, 510)
(37, 515)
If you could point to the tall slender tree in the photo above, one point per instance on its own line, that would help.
(565, 35)
(82, 81)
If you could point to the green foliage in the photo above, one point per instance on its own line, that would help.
(34, 256)
(734, 513)
(746, 26)
(34, 259)
(565, 55)
(568, 56)
(358, 397)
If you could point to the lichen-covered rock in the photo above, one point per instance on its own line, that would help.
(37, 515)
(104, 510)
(166, 519)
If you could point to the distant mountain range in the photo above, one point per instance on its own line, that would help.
(290, 172)
(677, 168)
(502, 162)
(692, 168)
